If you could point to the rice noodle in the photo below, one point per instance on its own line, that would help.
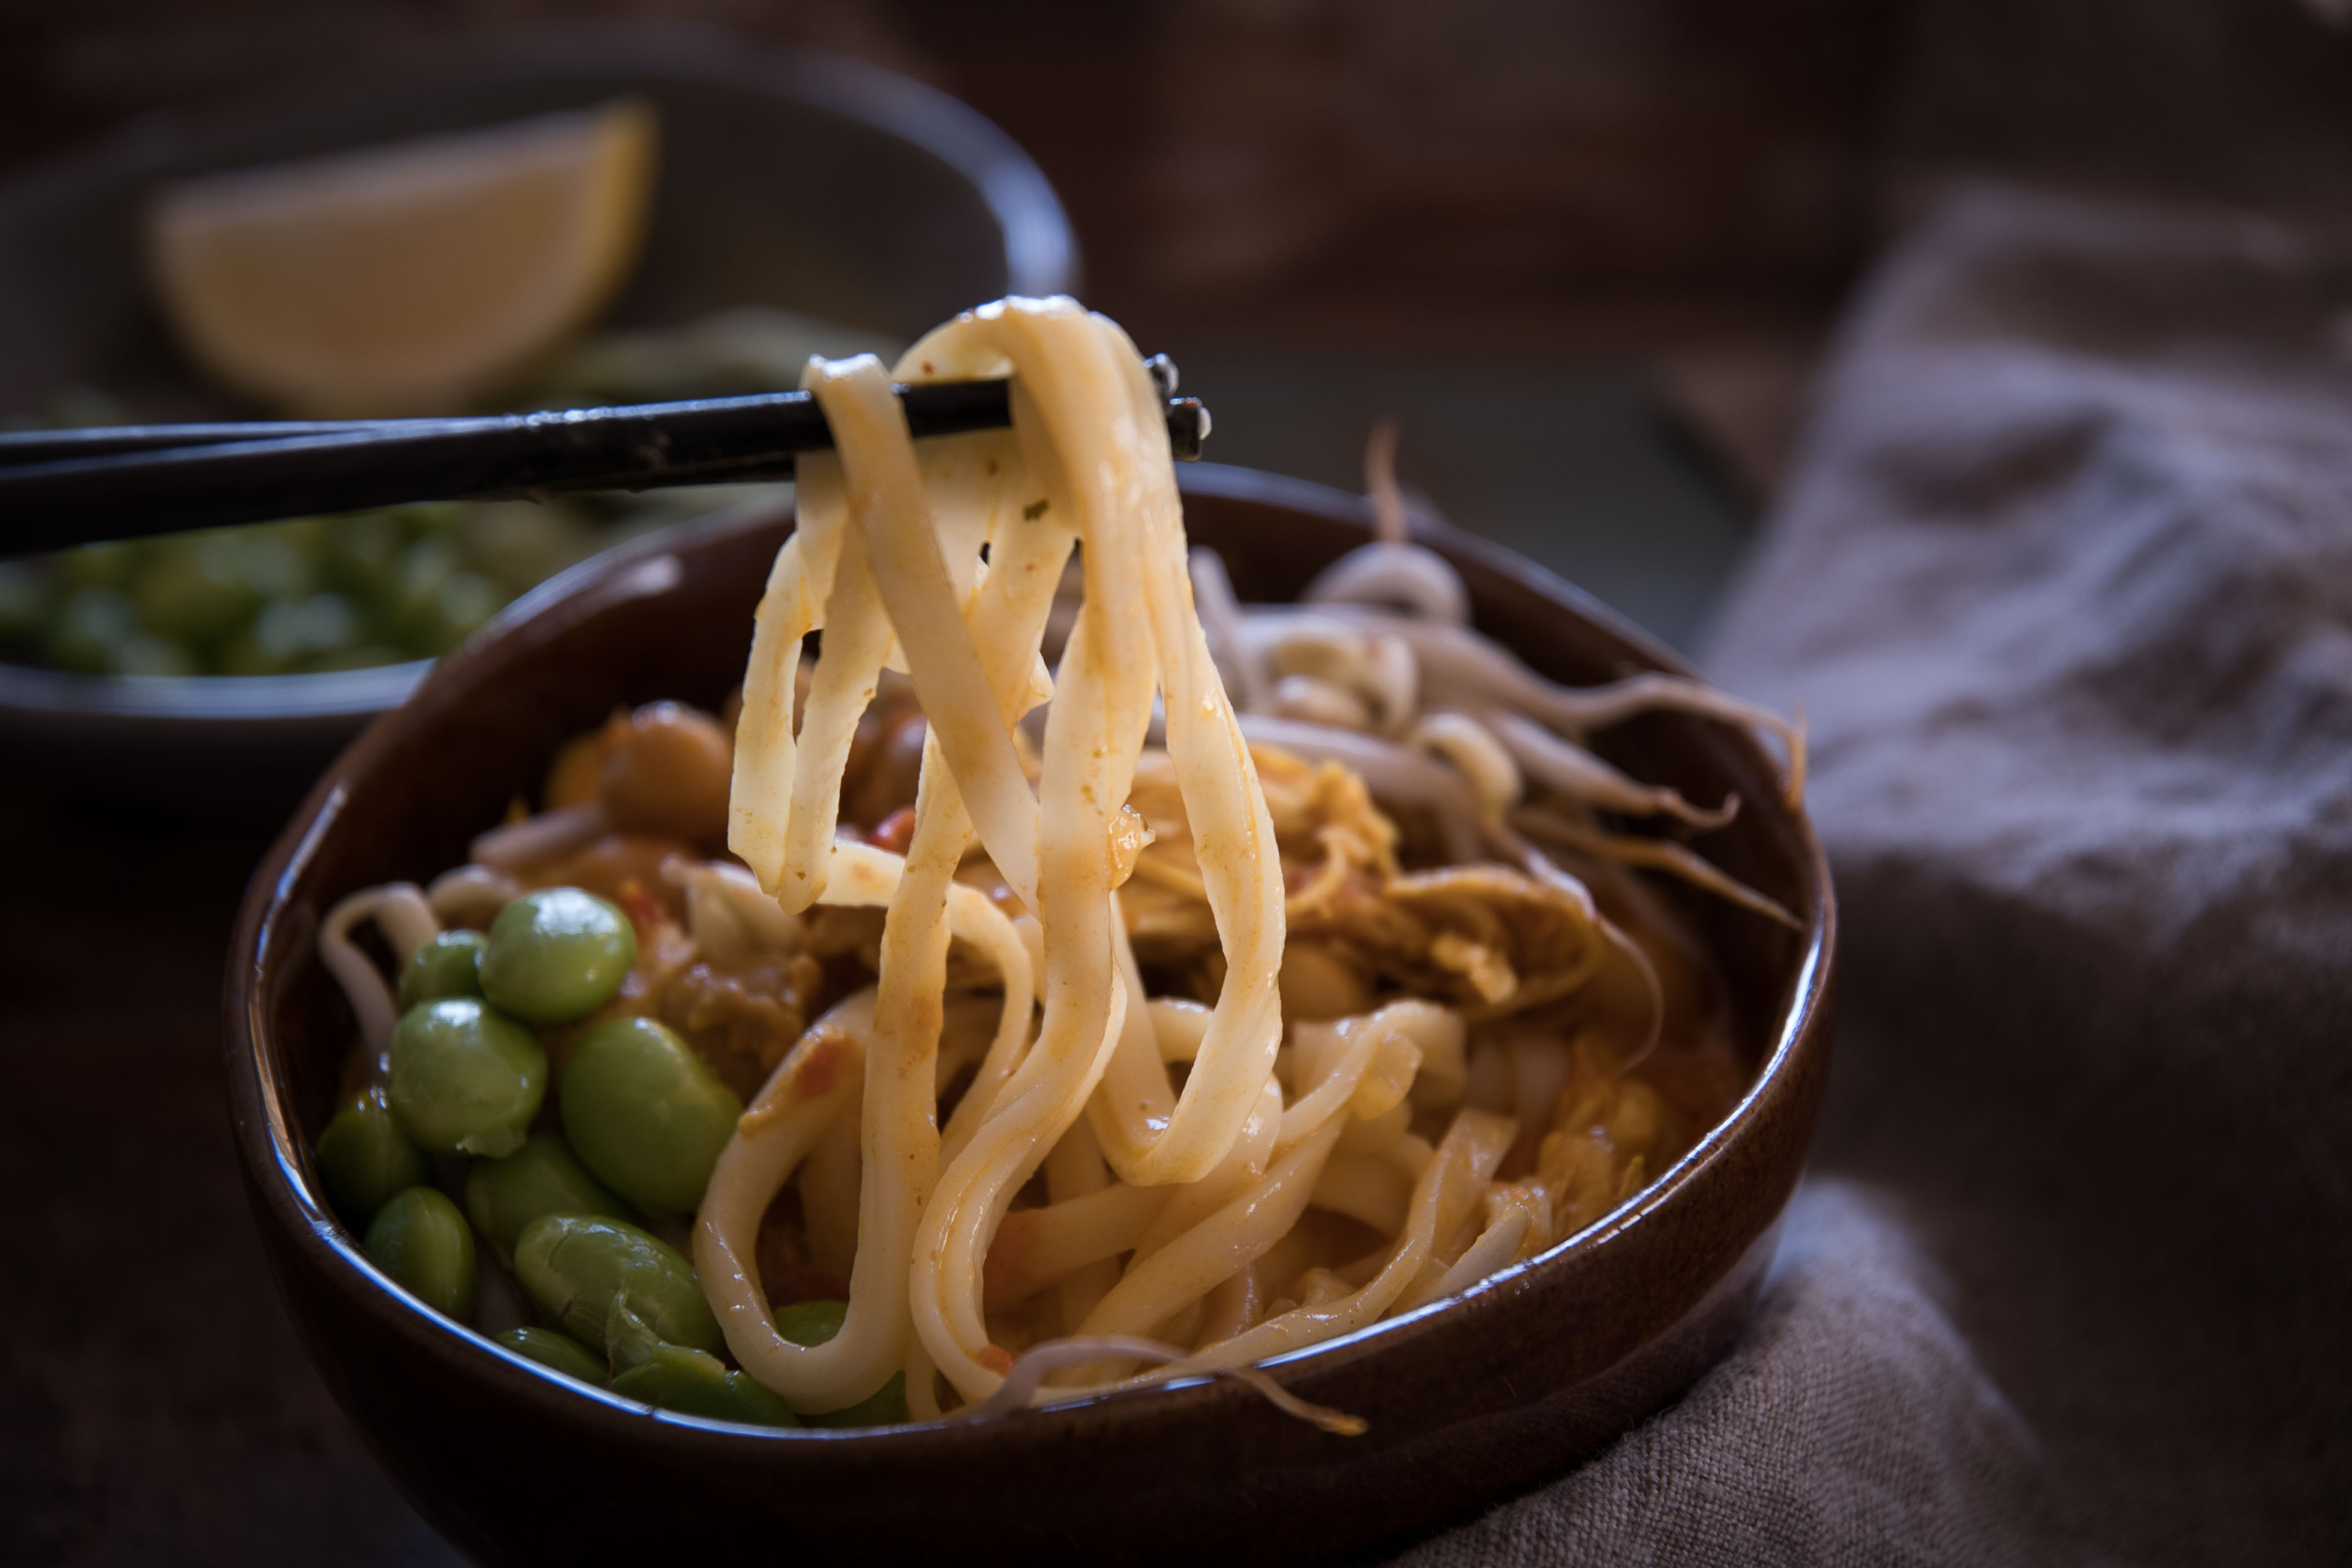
(1444, 1191)
(1087, 433)
(1221, 619)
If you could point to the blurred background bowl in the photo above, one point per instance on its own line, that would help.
(788, 178)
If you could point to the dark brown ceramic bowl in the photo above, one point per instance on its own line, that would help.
(1468, 1400)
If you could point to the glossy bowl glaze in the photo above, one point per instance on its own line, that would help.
(1468, 1400)
(789, 177)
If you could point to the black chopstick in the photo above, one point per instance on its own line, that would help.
(59, 487)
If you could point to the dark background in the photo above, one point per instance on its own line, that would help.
(1265, 168)
(1482, 171)
(1588, 251)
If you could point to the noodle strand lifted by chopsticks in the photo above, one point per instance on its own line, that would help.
(869, 567)
(1171, 1152)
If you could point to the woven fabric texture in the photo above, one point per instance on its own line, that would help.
(2064, 584)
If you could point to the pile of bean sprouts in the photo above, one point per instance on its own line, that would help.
(1380, 668)
(1176, 1144)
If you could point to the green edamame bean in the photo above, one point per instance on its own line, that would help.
(191, 590)
(446, 966)
(561, 1351)
(421, 1240)
(628, 1338)
(572, 1266)
(693, 1384)
(811, 1323)
(543, 1177)
(86, 628)
(107, 565)
(465, 1079)
(364, 1158)
(643, 1113)
(557, 954)
(886, 1406)
(689, 1380)
(24, 594)
(677, 1378)
(815, 1322)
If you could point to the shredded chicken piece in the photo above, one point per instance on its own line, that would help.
(740, 1017)
(1611, 1132)
(1326, 826)
(664, 951)
(1490, 939)
(741, 1020)
(612, 862)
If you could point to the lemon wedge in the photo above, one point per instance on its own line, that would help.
(411, 277)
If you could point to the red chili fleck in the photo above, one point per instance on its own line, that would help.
(645, 910)
(815, 1075)
(893, 832)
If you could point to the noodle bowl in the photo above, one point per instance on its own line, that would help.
(1290, 977)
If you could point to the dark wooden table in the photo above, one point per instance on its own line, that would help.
(155, 1404)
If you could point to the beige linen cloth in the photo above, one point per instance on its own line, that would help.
(2065, 584)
